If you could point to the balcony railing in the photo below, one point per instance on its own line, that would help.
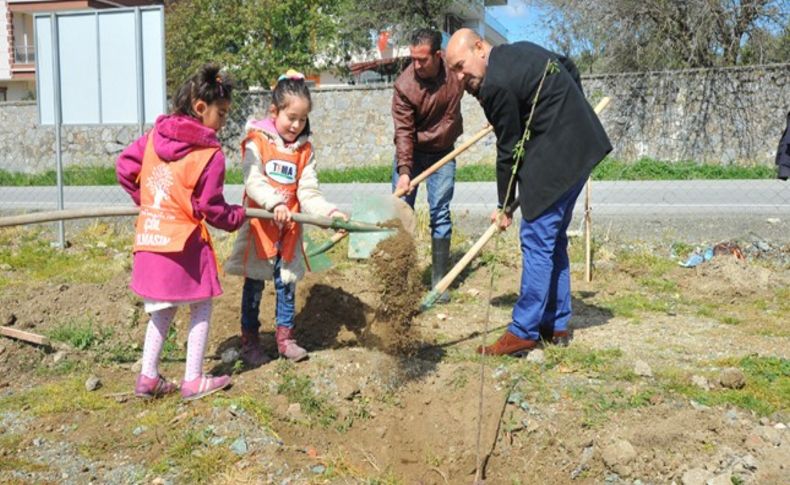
(24, 54)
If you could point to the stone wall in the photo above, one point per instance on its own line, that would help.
(730, 115)
(733, 115)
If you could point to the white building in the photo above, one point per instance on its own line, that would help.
(384, 61)
(17, 51)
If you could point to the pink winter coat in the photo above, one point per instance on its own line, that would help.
(191, 274)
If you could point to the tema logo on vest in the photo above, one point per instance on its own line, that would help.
(281, 171)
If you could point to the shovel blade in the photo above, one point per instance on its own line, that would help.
(317, 262)
(372, 209)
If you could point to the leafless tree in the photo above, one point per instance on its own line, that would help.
(633, 35)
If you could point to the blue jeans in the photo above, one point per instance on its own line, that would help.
(251, 301)
(545, 297)
(440, 190)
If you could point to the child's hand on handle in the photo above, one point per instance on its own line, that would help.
(336, 214)
(281, 214)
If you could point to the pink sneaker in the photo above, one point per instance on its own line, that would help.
(252, 351)
(287, 346)
(203, 386)
(153, 387)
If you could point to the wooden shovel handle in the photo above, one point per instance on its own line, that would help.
(436, 166)
(62, 215)
(320, 221)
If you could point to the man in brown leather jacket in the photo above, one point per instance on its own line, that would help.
(426, 109)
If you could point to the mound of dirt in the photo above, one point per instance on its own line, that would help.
(399, 292)
(727, 275)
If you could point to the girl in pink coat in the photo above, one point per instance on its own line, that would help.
(176, 173)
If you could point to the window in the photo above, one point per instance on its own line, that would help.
(452, 23)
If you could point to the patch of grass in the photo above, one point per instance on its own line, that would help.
(31, 257)
(338, 467)
(196, 459)
(662, 285)
(170, 349)
(62, 368)
(65, 396)
(257, 408)
(650, 169)
(122, 352)
(156, 414)
(609, 169)
(643, 263)
(459, 379)
(598, 402)
(628, 305)
(81, 335)
(73, 175)
(576, 357)
(10, 442)
(730, 320)
(767, 387)
(21, 465)
(299, 389)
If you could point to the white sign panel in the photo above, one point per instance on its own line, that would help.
(109, 63)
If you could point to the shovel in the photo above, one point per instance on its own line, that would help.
(386, 208)
(67, 214)
(317, 263)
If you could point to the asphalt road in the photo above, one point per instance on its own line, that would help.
(685, 210)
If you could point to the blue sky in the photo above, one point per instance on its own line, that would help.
(521, 20)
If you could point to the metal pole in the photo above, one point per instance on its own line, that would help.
(58, 120)
(138, 44)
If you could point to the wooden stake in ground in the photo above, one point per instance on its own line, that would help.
(29, 337)
(602, 104)
(587, 232)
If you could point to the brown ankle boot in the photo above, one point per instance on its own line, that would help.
(561, 338)
(508, 344)
(251, 349)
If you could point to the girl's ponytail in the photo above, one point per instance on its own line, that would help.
(209, 84)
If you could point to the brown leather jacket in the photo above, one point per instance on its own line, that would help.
(427, 114)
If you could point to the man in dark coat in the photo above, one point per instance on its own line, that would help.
(783, 153)
(566, 142)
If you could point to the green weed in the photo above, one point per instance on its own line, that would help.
(577, 357)
(31, 257)
(195, 457)
(628, 305)
(597, 402)
(58, 397)
(81, 335)
(255, 407)
(299, 389)
(767, 387)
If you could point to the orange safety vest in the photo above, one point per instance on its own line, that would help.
(282, 171)
(166, 217)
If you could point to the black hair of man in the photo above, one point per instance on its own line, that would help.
(427, 36)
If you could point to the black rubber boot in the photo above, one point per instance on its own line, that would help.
(440, 257)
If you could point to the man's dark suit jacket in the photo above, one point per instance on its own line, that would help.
(567, 140)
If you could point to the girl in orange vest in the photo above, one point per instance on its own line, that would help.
(175, 173)
(279, 176)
